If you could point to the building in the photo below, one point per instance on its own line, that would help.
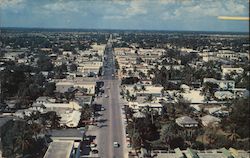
(186, 121)
(227, 54)
(223, 84)
(63, 149)
(210, 120)
(215, 153)
(141, 106)
(227, 69)
(221, 95)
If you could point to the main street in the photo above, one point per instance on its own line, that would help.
(110, 128)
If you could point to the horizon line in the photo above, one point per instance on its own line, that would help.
(115, 29)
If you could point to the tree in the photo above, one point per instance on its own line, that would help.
(124, 71)
(142, 75)
(168, 133)
(73, 67)
(208, 89)
(50, 87)
(130, 73)
(133, 98)
(135, 88)
(53, 119)
(90, 56)
(162, 92)
(134, 68)
(127, 94)
(240, 117)
(143, 88)
(23, 140)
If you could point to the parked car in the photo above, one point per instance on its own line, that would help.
(116, 144)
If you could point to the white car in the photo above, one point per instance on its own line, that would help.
(116, 144)
(106, 96)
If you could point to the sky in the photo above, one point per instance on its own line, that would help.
(180, 15)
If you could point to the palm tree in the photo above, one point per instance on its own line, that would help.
(130, 73)
(233, 136)
(143, 88)
(127, 94)
(35, 129)
(124, 70)
(168, 132)
(150, 99)
(23, 140)
(162, 92)
(53, 119)
(135, 88)
(134, 68)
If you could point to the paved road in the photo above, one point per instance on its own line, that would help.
(110, 128)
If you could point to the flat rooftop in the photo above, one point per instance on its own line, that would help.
(59, 149)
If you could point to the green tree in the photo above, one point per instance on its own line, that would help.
(135, 88)
(143, 88)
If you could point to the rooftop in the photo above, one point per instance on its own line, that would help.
(59, 149)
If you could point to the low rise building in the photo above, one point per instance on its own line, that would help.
(186, 121)
(210, 120)
(63, 149)
(223, 84)
(227, 69)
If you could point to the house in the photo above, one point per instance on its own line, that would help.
(218, 111)
(227, 69)
(221, 95)
(227, 54)
(186, 121)
(63, 149)
(210, 120)
(74, 134)
(137, 106)
(241, 92)
(63, 87)
(69, 118)
(213, 153)
(84, 100)
(223, 84)
(74, 105)
(87, 67)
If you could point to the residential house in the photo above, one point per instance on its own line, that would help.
(223, 84)
(209, 120)
(187, 122)
(221, 95)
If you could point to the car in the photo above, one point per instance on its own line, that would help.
(92, 145)
(94, 151)
(86, 138)
(102, 108)
(116, 144)
(129, 145)
(106, 96)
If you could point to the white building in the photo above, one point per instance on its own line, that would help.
(210, 120)
(186, 121)
(223, 84)
(63, 149)
(227, 69)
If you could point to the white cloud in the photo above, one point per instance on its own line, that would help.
(129, 9)
(7, 4)
(62, 6)
(204, 9)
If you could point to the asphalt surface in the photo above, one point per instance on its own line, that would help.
(110, 120)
